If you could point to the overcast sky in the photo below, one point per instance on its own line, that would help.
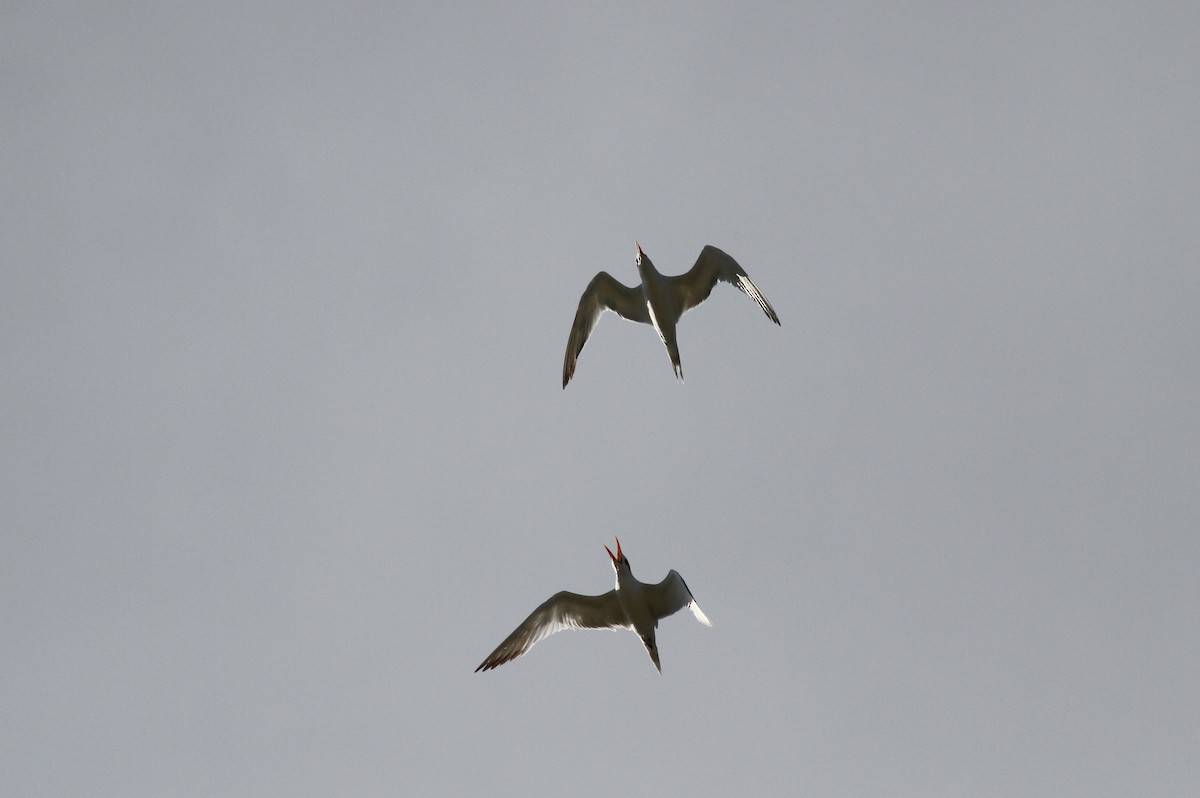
(284, 296)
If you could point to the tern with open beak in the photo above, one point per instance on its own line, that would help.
(630, 605)
(659, 301)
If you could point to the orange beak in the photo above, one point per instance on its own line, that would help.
(614, 557)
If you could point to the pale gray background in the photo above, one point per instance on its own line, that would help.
(285, 294)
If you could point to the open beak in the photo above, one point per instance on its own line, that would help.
(614, 557)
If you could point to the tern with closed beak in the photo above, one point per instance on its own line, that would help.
(630, 605)
(659, 301)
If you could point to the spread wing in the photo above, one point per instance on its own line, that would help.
(563, 610)
(713, 265)
(603, 293)
(670, 596)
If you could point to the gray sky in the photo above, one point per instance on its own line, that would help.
(284, 299)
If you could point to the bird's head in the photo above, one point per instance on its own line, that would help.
(619, 560)
(641, 259)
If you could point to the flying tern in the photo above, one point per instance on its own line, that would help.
(630, 605)
(659, 301)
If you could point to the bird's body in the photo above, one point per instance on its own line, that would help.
(630, 605)
(659, 301)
